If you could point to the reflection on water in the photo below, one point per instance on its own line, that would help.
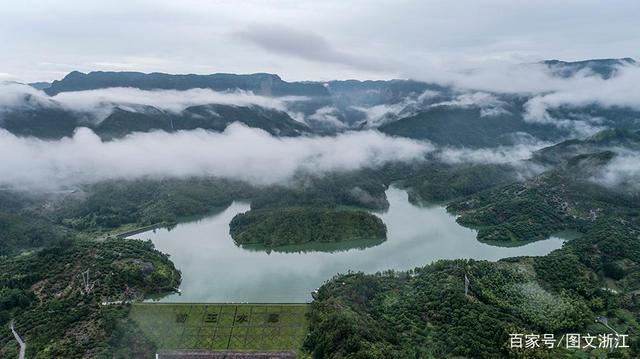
(214, 269)
(330, 247)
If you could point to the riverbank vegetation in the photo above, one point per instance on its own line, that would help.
(108, 205)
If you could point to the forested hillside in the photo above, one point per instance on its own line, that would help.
(57, 298)
(425, 312)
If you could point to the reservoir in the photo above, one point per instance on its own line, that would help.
(215, 269)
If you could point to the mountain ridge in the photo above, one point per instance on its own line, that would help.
(272, 84)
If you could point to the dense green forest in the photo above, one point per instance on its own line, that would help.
(553, 201)
(439, 183)
(56, 235)
(32, 220)
(459, 126)
(23, 223)
(47, 241)
(60, 315)
(424, 313)
(295, 225)
(108, 205)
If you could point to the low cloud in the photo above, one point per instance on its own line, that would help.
(17, 95)
(238, 153)
(380, 114)
(326, 117)
(620, 90)
(498, 155)
(546, 89)
(101, 102)
(170, 100)
(489, 104)
(516, 156)
(622, 172)
(504, 77)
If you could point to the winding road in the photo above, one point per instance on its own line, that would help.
(23, 346)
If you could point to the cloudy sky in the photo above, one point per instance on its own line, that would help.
(318, 40)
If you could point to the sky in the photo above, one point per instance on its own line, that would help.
(43, 40)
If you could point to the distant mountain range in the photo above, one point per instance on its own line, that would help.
(439, 113)
(603, 67)
(213, 117)
(262, 84)
(272, 85)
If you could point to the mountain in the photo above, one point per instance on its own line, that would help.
(40, 85)
(261, 83)
(341, 98)
(40, 121)
(602, 142)
(606, 68)
(563, 198)
(441, 114)
(458, 126)
(209, 117)
(50, 122)
(354, 91)
(371, 93)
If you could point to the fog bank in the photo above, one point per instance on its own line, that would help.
(239, 152)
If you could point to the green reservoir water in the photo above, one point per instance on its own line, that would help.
(215, 269)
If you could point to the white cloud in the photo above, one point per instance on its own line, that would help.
(171, 100)
(620, 90)
(488, 103)
(238, 153)
(194, 36)
(622, 172)
(326, 116)
(102, 102)
(380, 114)
(498, 155)
(546, 90)
(19, 95)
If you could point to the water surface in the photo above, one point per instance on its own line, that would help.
(214, 269)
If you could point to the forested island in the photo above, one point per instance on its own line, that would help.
(296, 225)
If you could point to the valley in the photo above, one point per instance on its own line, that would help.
(290, 273)
(397, 218)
